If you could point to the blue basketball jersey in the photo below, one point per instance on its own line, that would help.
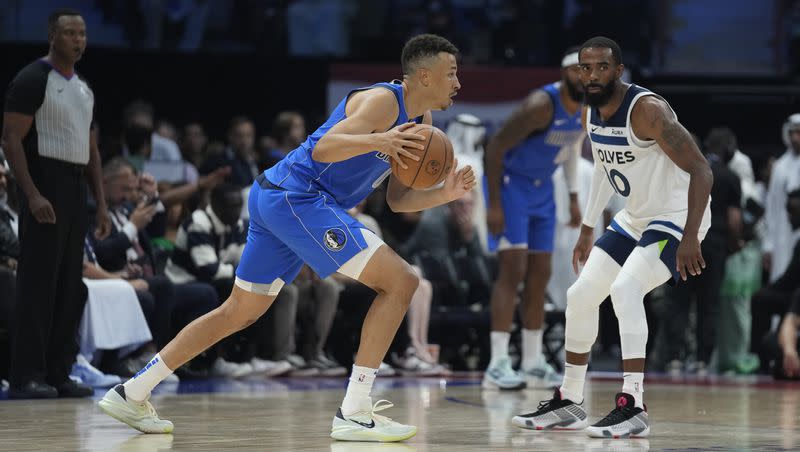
(534, 158)
(348, 182)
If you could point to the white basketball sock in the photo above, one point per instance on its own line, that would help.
(634, 385)
(531, 348)
(358, 389)
(499, 345)
(139, 386)
(574, 379)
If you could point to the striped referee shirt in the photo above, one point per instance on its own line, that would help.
(62, 109)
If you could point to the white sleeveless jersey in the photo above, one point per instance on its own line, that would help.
(655, 189)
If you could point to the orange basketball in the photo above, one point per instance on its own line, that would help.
(435, 162)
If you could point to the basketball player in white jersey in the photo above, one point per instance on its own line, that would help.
(644, 154)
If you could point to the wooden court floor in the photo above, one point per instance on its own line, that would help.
(452, 415)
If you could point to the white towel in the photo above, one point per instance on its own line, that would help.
(112, 318)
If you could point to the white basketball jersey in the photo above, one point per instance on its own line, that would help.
(655, 189)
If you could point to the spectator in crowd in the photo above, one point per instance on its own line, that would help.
(187, 183)
(289, 131)
(114, 323)
(240, 155)
(194, 144)
(9, 253)
(784, 345)
(9, 223)
(167, 130)
(139, 118)
(137, 214)
(785, 177)
(467, 134)
(722, 141)
(775, 298)
(449, 249)
(316, 309)
(208, 247)
(724, 235)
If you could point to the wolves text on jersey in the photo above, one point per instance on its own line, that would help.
(615, 157)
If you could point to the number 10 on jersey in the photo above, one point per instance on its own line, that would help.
(616, 179)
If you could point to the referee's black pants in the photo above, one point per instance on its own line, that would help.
(50, 292)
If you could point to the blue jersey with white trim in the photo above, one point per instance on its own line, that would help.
(349, 181)
(535, 157)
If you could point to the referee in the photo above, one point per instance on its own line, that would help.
(46, 121)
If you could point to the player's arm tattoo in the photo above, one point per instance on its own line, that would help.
(674, 135)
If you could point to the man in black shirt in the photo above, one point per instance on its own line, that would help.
(724, 236)
(46, 136)
(776, 299)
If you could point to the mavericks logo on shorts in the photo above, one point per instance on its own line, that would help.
(335, 239)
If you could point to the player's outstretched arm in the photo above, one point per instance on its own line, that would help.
(403, 199)
(370, 114)
(653, 119)
(534, 114)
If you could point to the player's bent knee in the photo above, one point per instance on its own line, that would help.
(627, 297)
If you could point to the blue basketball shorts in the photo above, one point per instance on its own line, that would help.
(530, 215)
(288, 229)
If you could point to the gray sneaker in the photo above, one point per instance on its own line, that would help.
(541, 376)
(500, 375)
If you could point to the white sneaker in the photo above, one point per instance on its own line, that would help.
(227, 369)
(500, 375)
(139, 415)
(327, 367)
(365, 425)
(90, 375)
(300, 368)
(269, 368)
(385, 370)
(171, 378)
(541, 376)
(412, 365)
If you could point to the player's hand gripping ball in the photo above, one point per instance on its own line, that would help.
(435, 163)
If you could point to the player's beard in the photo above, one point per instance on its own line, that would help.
(574, 91)
(600, 98)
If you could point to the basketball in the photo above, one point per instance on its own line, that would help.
(435, 162)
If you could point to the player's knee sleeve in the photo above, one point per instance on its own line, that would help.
(270, 290)
(643, 271)
(627, 296)
(584, 298)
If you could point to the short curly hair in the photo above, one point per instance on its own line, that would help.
(421, 47)
(604, 43)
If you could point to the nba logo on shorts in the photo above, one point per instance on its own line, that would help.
(335, 239)
(361, 378)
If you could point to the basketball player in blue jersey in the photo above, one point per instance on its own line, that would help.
(521, 158)
(298, 213)
(644, 154)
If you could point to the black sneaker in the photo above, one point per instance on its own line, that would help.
(624, 421)
(554, 414)
(32, 390)
(70, 390)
